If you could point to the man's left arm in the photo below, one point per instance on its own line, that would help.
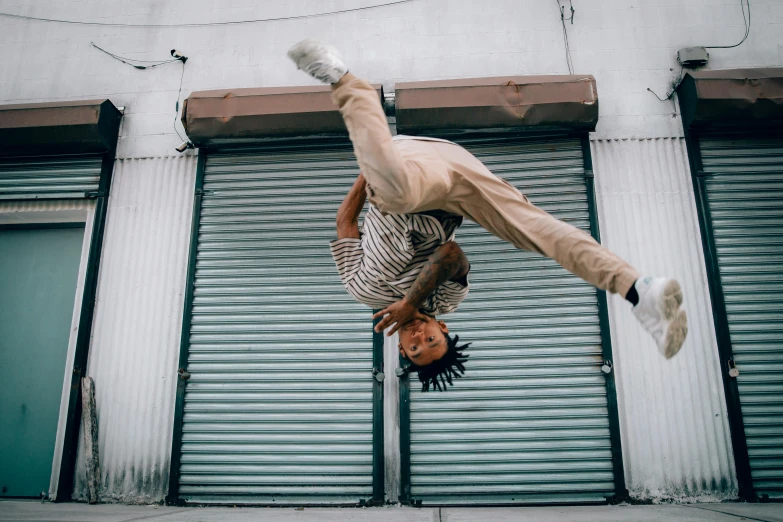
(447, 263)
(347, 220)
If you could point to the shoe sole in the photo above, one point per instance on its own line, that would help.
(672, 299)
(676, 334)
(301, 49)
(305, 48)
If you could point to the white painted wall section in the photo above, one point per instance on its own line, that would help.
(673, 419)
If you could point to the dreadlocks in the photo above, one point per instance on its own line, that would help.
(439, 372)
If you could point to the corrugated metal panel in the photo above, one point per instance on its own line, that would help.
(744, 181)
(49, 178)
(278, 408)
(136, 329)
(529, 422)
(674, 427)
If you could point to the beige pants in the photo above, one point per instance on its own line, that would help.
(409, 176)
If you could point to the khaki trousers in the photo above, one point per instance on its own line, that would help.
(408, 176)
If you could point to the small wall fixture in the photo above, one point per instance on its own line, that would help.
(693, 56)
(185, 146)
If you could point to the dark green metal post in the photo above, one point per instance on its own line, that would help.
(405, 437)
(378, 464)
(179, 407)
(621, 491)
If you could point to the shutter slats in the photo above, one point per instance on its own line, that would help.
(529, 421)
(278, 408)
(53, 178)
(744, 182)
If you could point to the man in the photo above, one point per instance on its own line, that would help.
(419, 189)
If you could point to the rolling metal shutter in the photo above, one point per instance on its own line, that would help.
(744, 186)
(279, 405)
(49, 178)
(529, 421)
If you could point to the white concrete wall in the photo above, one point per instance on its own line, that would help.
(629, 45)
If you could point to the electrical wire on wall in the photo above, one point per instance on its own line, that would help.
(149, 64)
(675, 86)
(563, 21)
(188, 144)
(747, 28)
(136, 64)
(203, 24)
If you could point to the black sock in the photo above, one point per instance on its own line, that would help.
(632, 296)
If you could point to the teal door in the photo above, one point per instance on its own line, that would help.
(38, 270)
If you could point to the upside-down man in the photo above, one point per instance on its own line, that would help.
(405, 259)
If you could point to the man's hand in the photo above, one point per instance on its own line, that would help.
(399, 314)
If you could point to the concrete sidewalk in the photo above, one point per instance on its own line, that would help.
(37, 512)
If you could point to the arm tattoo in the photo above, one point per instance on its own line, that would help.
(447, 262)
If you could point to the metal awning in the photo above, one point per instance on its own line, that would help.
(70, 127)
(564, 101)
(237, 115)
(731, 96)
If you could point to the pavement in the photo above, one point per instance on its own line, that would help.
(34, 511)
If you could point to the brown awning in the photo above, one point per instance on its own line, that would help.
(731, 96)
(58, 127)
(569, 101)
(212, 117)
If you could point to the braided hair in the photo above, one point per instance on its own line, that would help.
(444, 370)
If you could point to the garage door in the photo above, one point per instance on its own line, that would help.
(279, 404)
(530, 420)
(743, 176)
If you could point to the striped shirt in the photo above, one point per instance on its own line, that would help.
(378, 269)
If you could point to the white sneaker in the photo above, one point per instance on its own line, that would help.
(320, 61)
(659, 312)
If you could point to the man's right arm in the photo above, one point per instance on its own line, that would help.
(351, 207)
(447, 263)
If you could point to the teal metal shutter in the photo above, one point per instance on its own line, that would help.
(529, 422)
(279, 404)
(49, 178)
(743, 177)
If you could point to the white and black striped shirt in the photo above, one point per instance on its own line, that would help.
(378, 269)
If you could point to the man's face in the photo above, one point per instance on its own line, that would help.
(423, 342)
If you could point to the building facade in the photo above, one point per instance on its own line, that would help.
(229, 365)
